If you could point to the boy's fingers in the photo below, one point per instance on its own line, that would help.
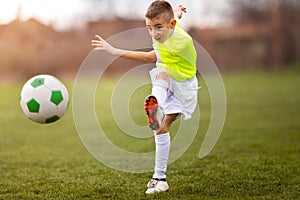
(99, 37)
(96, 41)
(182, 8)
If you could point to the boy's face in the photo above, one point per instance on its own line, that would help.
(160, 29)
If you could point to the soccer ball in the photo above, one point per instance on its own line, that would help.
(44, 99)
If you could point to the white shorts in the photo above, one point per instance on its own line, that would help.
(181, 96)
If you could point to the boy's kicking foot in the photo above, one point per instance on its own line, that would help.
(151, 108)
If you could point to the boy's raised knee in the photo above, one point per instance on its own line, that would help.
(163, 76)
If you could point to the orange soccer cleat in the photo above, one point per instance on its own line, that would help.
(151, 108)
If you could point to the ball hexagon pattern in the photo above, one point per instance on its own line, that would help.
(44, 99)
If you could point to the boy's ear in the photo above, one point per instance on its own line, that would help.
(173, 23)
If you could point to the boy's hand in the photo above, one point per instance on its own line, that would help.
(100, 44)
(178, 11)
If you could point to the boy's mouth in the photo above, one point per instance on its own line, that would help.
(158, 37)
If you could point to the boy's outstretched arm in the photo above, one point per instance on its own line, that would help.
(179, 10)
(100, 44)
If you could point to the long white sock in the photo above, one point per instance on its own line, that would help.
(159, 90)
(162, 142)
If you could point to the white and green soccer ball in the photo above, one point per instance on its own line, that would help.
(44, 99)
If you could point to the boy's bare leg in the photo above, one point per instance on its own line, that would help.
(166, 123)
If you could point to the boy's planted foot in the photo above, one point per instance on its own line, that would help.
(157, 185)
(151, 108)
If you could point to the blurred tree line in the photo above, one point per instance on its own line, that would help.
(263, 34)
(281, 18)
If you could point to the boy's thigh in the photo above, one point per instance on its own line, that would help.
(172, 104)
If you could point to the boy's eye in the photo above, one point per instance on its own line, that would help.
(158, 27)
(155, 28)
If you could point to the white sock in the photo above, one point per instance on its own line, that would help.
(162, 142)
(159, 90)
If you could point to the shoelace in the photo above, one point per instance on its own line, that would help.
(152, 183)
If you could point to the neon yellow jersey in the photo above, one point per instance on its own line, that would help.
(177, 55)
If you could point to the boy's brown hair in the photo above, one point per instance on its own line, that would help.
(159, 7)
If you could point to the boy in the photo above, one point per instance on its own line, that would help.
(174, 82)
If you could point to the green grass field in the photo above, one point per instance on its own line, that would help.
(257, 156)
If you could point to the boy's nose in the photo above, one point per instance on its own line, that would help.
(152, 32)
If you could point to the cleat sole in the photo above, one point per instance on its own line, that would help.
(151, 108)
